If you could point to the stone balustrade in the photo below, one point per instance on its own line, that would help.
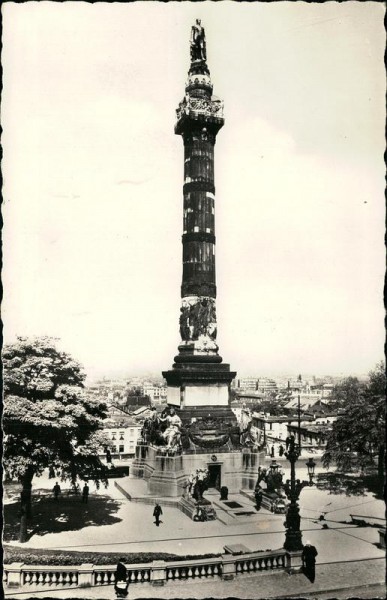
(159, 572)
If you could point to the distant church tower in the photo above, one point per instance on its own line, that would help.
(198, 383)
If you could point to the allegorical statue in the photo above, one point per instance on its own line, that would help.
(198, 42)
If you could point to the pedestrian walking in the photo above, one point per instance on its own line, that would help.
(56, 489)
(121, 580)
(85, 493)
(158, 511)
(309, 554)
(281, 450)
(272, 452)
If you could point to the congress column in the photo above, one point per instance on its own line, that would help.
(198, 381)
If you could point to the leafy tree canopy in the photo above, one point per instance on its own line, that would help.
(357, 438)
(48, 418)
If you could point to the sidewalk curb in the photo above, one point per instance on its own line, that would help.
(327, 591)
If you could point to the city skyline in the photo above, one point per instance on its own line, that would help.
(93, 175)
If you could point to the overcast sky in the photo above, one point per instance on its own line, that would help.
(93, 177)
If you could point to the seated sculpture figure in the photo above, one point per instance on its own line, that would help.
(171, 434)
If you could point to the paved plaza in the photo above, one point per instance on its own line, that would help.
(133, 529)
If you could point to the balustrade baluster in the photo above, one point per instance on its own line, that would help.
(146, 575)
(190, 574)
(27, 577)
(33, 577)
(196, 572)
(238, 567)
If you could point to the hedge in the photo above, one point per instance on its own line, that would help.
(61, 557)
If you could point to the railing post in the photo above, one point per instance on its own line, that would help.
(158, 572)
(228, 566)
(294, 562)
(85, 575)
(15, 575)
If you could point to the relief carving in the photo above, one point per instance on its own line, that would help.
(197, 318)
(201, 105)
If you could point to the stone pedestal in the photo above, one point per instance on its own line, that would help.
(85, 575)
(228, 567)
(294, 562)
(199, 389)
(168, 478)
(15, 575)
(168, 475)
(158, 572)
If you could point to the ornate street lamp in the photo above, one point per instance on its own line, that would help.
(292, 488)
(311, 466)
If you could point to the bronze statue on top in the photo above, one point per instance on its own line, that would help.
(198, 42)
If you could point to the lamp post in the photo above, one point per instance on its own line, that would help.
(292, 488)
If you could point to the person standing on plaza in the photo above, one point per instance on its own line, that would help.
(309, 554)
(158, 511)
(56, 490)
(85, 493)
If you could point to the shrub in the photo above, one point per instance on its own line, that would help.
(62, 558)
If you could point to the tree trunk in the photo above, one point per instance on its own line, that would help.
(25, 504)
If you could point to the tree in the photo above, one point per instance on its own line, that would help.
(48, 418)
(357, 438)
(346, 392)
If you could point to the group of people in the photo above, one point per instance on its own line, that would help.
(271, 450)
(85, 492)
